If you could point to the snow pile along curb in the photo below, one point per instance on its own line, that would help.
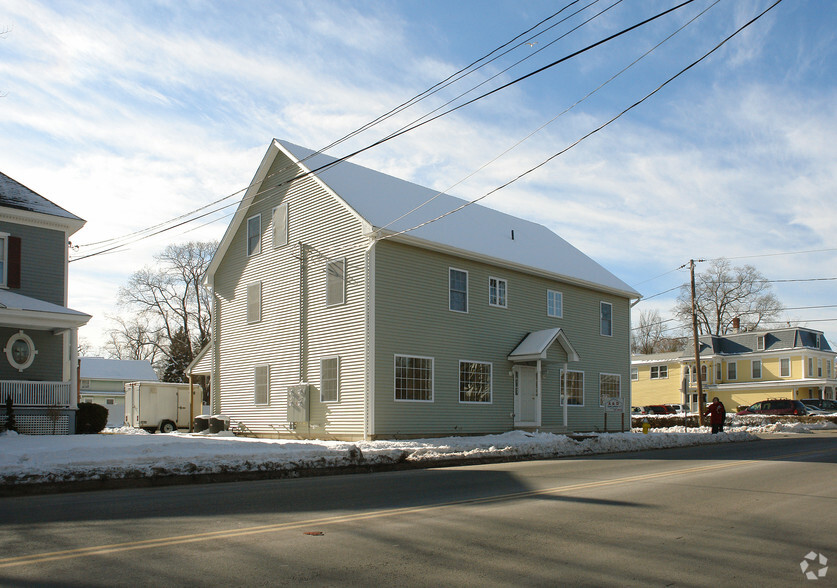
(55, 459)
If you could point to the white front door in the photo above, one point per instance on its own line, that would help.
(526, 397)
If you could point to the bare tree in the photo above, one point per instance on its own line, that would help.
(649, 335)
(169, 297)
(133, 338)
(723, 293)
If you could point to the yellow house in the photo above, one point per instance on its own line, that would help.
(740, 369)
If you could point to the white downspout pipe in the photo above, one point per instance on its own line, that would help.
(564, 395)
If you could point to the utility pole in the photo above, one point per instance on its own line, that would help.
(697, 346)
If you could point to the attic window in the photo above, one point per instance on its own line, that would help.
(254, 234)
(280, 225)
(760, 343)
(335, 282)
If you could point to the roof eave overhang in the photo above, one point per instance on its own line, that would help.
(40, 219)
(31, 319)
(441, 248)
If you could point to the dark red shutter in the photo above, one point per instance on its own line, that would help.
(13, 271)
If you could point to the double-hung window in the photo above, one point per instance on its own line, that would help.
(756, 374)
(785, 367)
(458, 286)
(330, 379)
(634, 374)
(335, 282)
(609, 387)
(554, 304)
(497, 289)
(254, 235)
(474, 381)
(732, 371)
(606, 319)
(414, 378)
(575, 387)
(659, 372)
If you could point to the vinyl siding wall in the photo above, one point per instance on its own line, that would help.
(326, 229)
(42, 259)
(412, 318)
(48, 365)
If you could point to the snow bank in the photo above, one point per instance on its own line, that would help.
(132, 453)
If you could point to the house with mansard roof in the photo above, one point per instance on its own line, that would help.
(38, 332)
(740, 368)
(339, 312)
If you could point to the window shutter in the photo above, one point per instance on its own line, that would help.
(254, 302)
(13, 275)
(261, 384)
(280, 225)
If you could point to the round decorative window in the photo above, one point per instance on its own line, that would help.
(20, 351)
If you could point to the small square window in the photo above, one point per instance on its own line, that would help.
(497, 289)
(414, 378)
(254, 234)
(554, 304)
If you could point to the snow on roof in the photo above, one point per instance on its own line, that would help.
(13, 194)
(129, 370)
(14, 301)
(380, 199)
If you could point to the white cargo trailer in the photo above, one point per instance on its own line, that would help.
(161, 406)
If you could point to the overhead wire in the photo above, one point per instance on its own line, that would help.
(600, 127)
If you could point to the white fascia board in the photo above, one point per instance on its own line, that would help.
(772, 384)
(39, 219)
(433, 246)
(30, 319)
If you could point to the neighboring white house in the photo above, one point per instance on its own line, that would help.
(103, 382)
(333, 318)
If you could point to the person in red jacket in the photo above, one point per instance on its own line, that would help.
(717, 415)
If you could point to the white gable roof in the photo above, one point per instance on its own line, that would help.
(129, 370)
(536, 344)
(379, 198)
(17, 310)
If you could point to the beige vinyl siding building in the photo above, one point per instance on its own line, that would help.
(329, 321)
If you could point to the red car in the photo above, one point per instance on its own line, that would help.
(779, 406)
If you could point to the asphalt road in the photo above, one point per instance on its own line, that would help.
(729, 515)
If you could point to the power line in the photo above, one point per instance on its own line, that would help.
(600, 127)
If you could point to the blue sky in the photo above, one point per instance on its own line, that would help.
(132, 113)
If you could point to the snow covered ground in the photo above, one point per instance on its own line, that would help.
(133, 453)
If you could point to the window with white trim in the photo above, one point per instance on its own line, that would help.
(458, 286)
(254, 235)
(810, 367)
(554, 303)
(610, 386)
(575, 387)
(413, 378)
(659, 372)
(827, 368)
(280, 225)
(819, 368)
(261, 384)
(732, 370)
(634, 374)
(785, 367)
(254, 302)
(719, 372)
(335, 282)
(756, 371)
(475, 381)
(760, 343)
(330, 379)
(4, 259)
(20, 351)
(703, 373)
(85, 384)
(606, 319)
(497, 289)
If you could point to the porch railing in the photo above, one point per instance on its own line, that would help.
(35, 393)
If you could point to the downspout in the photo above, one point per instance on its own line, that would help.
(564, 395)
(215, 372)
(301, 350)
(538, 392)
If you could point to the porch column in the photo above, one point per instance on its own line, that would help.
(564, 395)
(73, 337)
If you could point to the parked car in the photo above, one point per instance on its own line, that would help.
(829, 406)
(638, 410)
(679, 408)
(776, 406)
(659, 409)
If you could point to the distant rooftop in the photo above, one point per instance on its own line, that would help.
(129, 370)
